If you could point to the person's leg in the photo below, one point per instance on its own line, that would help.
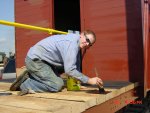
(15, 86)
(42, 79)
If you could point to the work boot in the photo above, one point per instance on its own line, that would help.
(20, 79)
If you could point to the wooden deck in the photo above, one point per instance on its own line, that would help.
(62, 102)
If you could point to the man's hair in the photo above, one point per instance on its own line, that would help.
(86, 32)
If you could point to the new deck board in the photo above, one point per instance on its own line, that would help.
(65, 101)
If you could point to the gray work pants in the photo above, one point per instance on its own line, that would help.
(42, 77)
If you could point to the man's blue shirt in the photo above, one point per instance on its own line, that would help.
(60, 51)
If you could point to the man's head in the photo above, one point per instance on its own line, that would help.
(87, 39)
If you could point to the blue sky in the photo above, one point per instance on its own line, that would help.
(7, 33)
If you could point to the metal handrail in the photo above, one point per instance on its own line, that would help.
(49, 31)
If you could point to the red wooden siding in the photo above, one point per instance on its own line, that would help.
(148, 52)
(32, 12)
(148, 68)
(118, 52)
(145, 18)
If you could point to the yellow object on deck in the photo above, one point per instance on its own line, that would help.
(73, 84)
(25, 26)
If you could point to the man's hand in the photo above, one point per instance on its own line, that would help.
(95, 81)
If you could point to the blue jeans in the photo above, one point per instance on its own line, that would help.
(42, 77)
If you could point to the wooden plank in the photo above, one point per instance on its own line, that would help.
(114, 104)
(87, 100)
(12, 109)
(81, 100)
(4, 86)
(114, 93)
(90, 95)
(41, 104)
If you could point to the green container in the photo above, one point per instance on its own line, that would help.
(73, 84)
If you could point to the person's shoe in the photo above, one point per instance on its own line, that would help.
(16, 84)
(25, 92)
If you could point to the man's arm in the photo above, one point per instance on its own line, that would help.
(71, 65)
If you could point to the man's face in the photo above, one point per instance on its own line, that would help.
(86, 40)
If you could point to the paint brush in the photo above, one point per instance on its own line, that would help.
(100, 86)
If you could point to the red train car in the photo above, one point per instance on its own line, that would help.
(121, 52)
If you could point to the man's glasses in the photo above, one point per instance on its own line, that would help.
(88, 40)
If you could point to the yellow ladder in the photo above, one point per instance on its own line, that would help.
(25, 26)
